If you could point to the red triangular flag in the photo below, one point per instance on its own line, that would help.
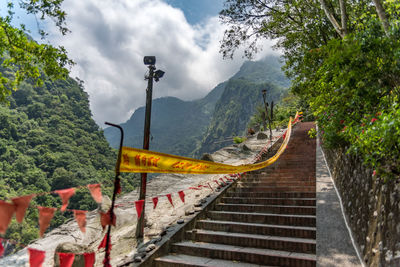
(80, 217)
(6, 213)
(103, 243)
(182, 196)
(194, 188)
(95, 191)
(210, 186)
(89, 259)
(118, 186)
(65, 195)
(66, 259)
(21, 204)
(36, 257)
(105, 219)
(155, 201)
(170, 199)
(222, 180)
(139, 207)
(216, 182)
(45, 216)
(1, 247)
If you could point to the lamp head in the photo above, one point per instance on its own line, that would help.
(149, 60)
(158, 74)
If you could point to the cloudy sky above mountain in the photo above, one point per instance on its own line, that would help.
(109, 39)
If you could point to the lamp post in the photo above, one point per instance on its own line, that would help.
(268, 116)
(156, 75)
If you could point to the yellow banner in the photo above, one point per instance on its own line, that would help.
(145, 161)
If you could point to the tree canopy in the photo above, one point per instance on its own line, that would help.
(343, 57)
(26, 58)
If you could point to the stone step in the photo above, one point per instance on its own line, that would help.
(250, 255)
(265, 189)
(271, 194)
(297, 170)
(291, 244)
(276, 209)
(182, 260)
(271, 201)
(258, 228)
(278, 175)
(267, 218)
(269, 179)
(293, 164)
(246, 183)
(278, 180)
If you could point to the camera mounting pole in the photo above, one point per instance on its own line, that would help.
(150, 61)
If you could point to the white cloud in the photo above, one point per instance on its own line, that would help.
(109, 39)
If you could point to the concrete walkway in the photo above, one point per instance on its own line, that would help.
(334, 245)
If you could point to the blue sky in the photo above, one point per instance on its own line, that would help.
(196, 11)
(109, 39)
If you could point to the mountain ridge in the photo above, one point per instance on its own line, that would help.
(186, 127)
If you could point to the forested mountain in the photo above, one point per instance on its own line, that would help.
(177, 126)
(239, 100)
(49, 141)
(191, 127)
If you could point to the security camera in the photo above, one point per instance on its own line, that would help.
(149, 60)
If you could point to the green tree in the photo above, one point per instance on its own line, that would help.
(23, 58)
(343, 57)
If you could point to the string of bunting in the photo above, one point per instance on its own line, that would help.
(144, 161)
(20, 204)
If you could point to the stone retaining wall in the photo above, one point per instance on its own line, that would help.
(372, 207)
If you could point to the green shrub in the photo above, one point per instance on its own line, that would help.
(238, 139)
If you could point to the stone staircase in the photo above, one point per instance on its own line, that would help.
(268, 218)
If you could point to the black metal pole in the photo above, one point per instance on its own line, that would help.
(270, 127)
(146, 144)
(264, 92)
(116, 183)
(271, 118)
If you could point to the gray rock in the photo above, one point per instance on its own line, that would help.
(141, 250)
(181, 221)
(150, 247)
(142, 254)
(189, 212)
(163, 232)
(245, 148)
(207, 157)
(137, 258)
(261, 136)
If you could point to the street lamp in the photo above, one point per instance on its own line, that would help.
(268, 116)
(156, 75)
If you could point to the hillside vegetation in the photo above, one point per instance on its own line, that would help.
(344, 60)
(49, 141)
